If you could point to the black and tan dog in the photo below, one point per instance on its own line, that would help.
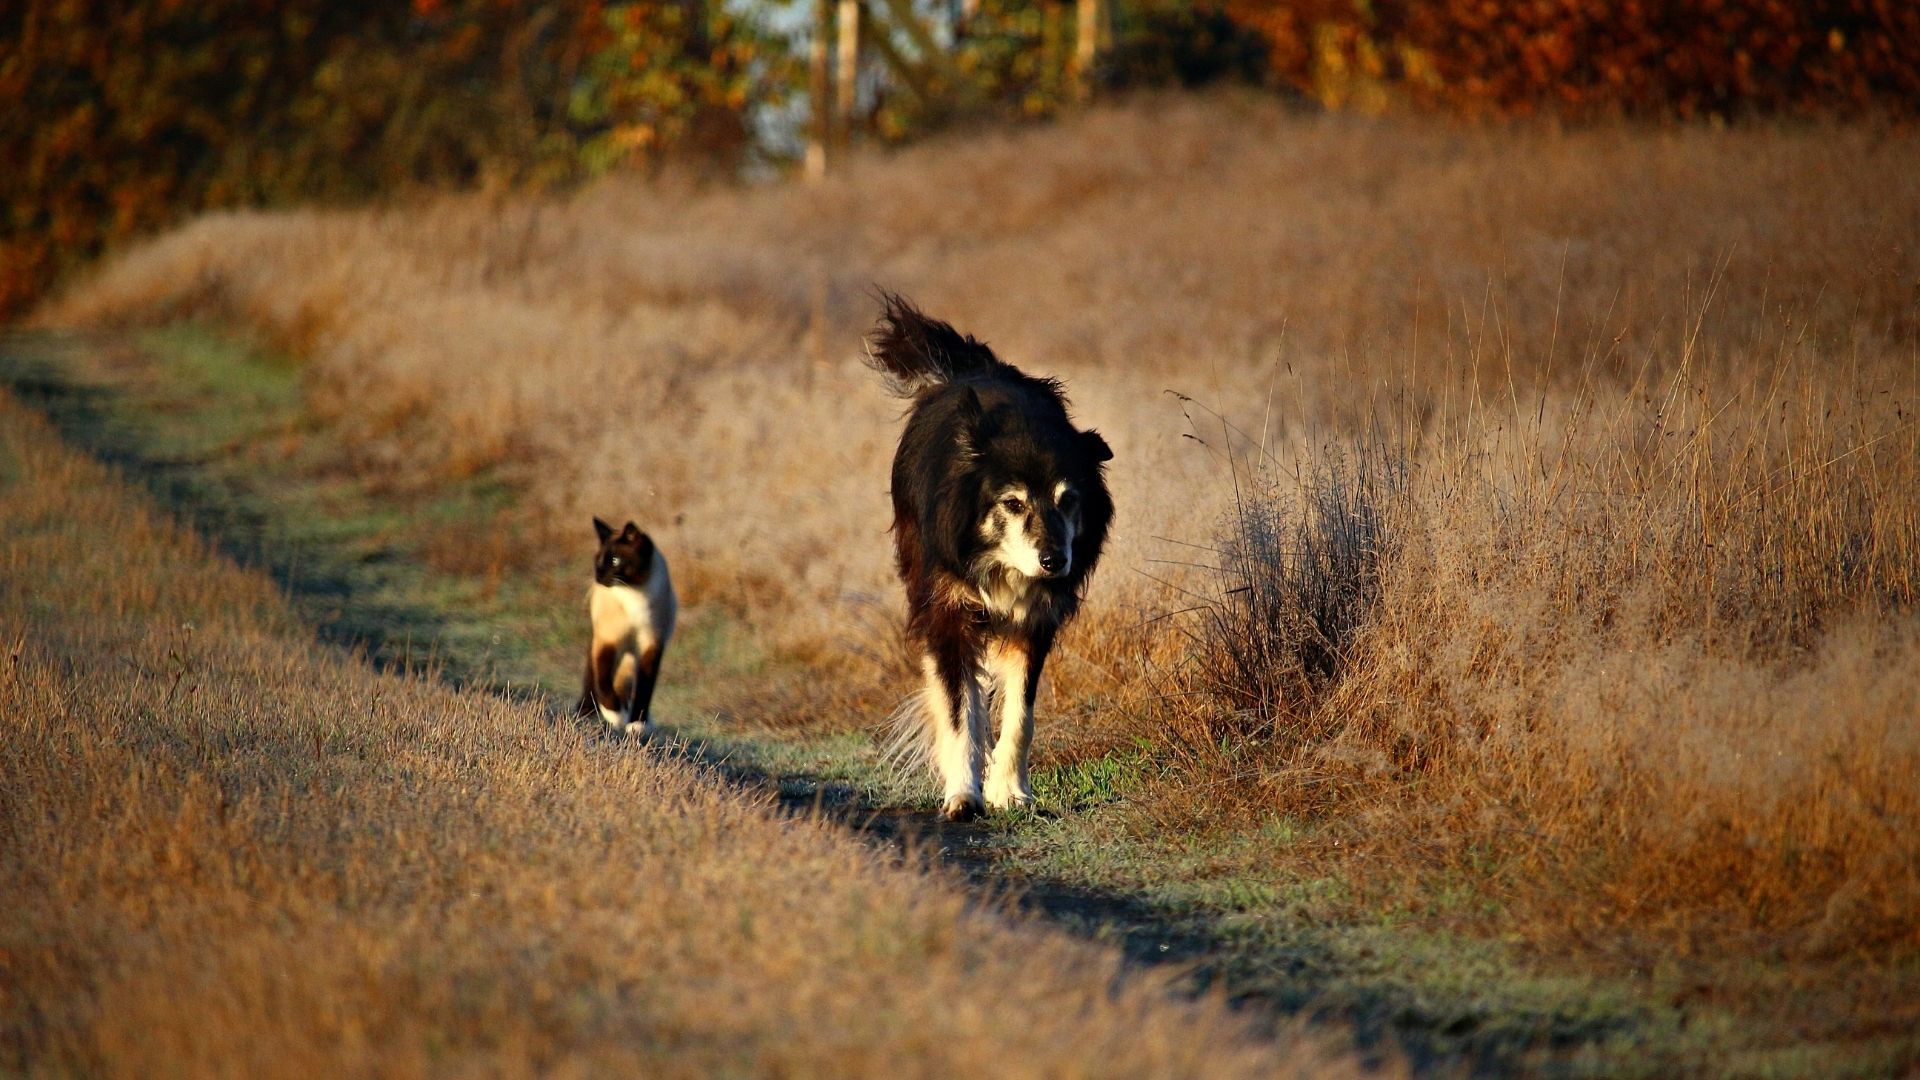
(1000, 509)
(632, 606)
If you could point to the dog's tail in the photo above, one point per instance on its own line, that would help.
(906, 741)
(914, 353)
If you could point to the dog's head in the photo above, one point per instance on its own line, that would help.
(626, 555)
(1039, 502)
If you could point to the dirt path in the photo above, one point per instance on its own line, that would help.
(331, 587)
(232, 852)
(344, 586)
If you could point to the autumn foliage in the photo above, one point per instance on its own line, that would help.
(116, 117)
(1685, 58)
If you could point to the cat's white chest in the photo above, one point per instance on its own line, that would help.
(623, 613)
(615, 604)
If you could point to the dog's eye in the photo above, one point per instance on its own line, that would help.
(615, 561)
(1014, 504)
(1068, 500)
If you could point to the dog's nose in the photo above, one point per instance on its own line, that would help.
(1052, 562)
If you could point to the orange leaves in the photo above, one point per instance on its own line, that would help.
(672, 75)
(1639, 57)
(117, 116)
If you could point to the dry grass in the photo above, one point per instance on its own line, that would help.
(1641, 649)
(1657, 667)
(1299, 577)
(227, 854)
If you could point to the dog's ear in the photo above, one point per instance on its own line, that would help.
(968, 418)
(948, 520)
(630, 532)
(947, 523)
(603, 529)
(1096, 446)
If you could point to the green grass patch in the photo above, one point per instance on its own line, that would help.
(1084, 784)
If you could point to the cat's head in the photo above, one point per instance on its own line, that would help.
(626, 555)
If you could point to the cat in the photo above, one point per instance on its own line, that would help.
(632, 607)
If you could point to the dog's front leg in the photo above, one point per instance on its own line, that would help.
(1007, 769)
(954, 709)
(1015, 669)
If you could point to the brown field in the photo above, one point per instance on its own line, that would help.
(1611, 433)
(226, 853)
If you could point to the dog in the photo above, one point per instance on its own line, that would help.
(1000, 511)
(632, 607)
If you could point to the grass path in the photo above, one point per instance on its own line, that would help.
(227, 851)
(214, 430)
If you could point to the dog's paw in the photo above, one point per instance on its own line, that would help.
(963, 807)
(1009, 795)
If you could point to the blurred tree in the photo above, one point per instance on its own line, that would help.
(1018, 58)
(119, 115)
(676, 74)
(1671, 57)
(1183, 44)
(1653, 58)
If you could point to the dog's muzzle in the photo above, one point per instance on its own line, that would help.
(1053, 563)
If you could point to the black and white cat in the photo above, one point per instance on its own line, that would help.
(632, 606)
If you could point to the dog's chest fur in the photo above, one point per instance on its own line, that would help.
(1010, 602)
(1012, 598)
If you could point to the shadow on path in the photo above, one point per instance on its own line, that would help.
(339, 595)
(349, 597)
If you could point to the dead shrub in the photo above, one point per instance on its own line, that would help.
(1298, 575)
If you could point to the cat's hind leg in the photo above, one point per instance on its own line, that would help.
(646, 677)
(625, 683)
(607, 698)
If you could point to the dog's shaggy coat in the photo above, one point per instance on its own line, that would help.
(1000, 510)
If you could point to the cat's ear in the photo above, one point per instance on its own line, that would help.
(603, 529)
(631, 532)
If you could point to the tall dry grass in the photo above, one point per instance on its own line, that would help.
(1640, 623)
(225, 853)
(1655, 654)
